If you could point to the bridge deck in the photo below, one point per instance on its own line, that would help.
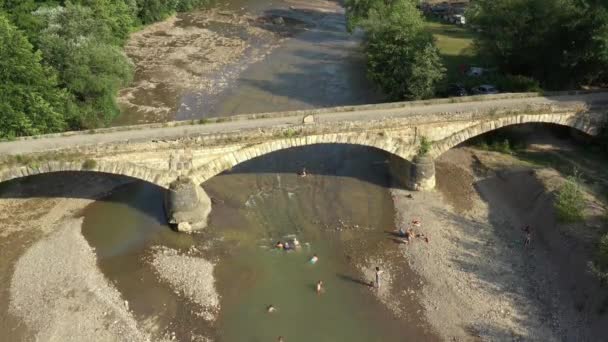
(362, 113)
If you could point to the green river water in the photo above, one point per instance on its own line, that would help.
(256, 204)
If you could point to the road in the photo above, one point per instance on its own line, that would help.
(43, 143)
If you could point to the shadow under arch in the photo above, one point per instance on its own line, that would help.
(90, 185)
(471, 133)
(327, 159)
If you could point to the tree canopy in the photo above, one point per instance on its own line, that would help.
(30, 100)
(401, 55)
(62, 60)
(561, 43)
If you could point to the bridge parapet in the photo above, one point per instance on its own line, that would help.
(200, 152)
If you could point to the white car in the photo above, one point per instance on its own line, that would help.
(458, 19)
(485, 89)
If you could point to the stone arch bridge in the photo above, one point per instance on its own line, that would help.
(180, 156)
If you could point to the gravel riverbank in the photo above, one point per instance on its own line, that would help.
(191, 277)
(61, 295)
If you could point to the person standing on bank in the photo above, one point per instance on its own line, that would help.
(378, 273)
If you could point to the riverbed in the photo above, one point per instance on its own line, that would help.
(342, 212)
(245, 57)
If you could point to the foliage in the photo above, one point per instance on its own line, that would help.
(30, 100)
(89, 164)
(599, 267)
(64, 66)
(80, 48)
(561, 43)
(155, 10)
(402, 58)
(570, 202)
(425, 146)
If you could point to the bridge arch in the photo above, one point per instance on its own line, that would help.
(392, 145)
(581, 123)
(161, 179)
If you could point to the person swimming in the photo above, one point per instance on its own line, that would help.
(296, 243)
(279, 245)
(319, 287)
(271, 308)
(314, 259)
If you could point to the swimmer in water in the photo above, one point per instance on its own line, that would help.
(314, 259)
(279, 245)
(319, 287)
(271, 309)
(296, 243)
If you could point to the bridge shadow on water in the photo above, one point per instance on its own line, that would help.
(367, 164)
(364, 163)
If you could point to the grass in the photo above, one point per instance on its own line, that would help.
(455, 44)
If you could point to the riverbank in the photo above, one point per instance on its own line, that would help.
(183, 62)
(480, 281)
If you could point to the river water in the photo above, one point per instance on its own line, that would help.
(341, 212)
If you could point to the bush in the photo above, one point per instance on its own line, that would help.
(425, 146)
(402, 58)
(570, 202)
(31, 101)
(89, 164)
(599, 267)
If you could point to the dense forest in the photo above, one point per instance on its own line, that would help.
(62, 62)
(559, 44)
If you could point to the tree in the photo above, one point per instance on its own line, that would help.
(80, 48)
(119, 16)
(562, 43)
(402, 58)
(30, 101)
(155, 10)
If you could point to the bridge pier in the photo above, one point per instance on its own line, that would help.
(187, 206)
(415, 175)
(422, 174)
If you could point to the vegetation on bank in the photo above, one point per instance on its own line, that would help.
(61, 61)
(526, 44)
(402, 58)
(563, 44)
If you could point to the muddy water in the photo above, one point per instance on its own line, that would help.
(322, 66)
(309, 61)
(341, 212)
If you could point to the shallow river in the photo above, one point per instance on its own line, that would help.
(342, 213)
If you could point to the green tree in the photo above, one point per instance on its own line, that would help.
(91, 68)
(119, 16)
(30, 101)
(402, 58)
(155, 10)
(562, 43)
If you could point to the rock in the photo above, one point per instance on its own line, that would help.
(308, 119)
(184, 227)
(278, 21)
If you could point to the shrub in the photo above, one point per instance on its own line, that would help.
(599, 267)
(569, 203)
(425, 146)
(89, 164)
